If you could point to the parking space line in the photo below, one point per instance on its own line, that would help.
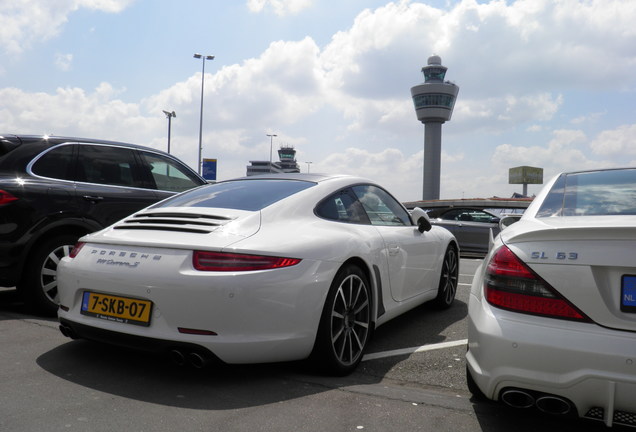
(423, 348)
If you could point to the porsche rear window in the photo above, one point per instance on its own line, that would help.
(251, 195)
(595, 193)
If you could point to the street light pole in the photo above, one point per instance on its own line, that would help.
(203, 59)
(308, 163)
(271, 142)
(169, 115)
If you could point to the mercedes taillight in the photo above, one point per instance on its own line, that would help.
(510, 284)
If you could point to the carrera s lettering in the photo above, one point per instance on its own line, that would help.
(118, 263)
(558, 255)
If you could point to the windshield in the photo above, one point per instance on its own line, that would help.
(251, 195)
(610, 192)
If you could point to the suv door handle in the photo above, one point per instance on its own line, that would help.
(93, 198)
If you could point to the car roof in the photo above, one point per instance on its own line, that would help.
(311, 177)
(597, 170)
(53, 139)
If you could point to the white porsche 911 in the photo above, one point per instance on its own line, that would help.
(552, 310)
(258, 269)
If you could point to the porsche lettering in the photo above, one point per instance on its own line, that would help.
(123, 254)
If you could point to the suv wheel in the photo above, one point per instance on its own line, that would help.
(40, 273)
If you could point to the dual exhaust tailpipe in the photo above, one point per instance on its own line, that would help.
(195, 359)
(68, 331)
(551, 404)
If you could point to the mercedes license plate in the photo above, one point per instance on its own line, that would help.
(628, 293)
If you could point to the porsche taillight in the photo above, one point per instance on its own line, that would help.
(510, 284)
(233, 262)
(6, 197)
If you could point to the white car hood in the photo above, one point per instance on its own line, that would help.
(187, 227)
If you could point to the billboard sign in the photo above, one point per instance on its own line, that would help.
(525, 175)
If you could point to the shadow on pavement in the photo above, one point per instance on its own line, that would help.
(155, 379)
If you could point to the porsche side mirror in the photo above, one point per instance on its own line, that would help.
(420, 218)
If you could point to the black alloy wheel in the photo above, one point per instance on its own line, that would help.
(346, 324)
(448, 280)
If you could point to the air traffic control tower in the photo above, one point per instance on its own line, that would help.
(434, 102)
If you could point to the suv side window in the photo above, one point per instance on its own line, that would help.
(168, 174)
(56, 163)
(107, 165)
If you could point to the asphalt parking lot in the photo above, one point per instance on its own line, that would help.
(412, 379)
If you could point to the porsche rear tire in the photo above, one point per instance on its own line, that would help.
(346, 323)
(448, 280)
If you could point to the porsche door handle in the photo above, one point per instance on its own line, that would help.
(394, 250)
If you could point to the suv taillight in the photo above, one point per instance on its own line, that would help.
(221, 261)
(6, 197)
(510, 284)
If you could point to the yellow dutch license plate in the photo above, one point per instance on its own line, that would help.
(117, 309)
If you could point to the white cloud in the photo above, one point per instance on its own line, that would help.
(618, 142)
(590, 117)
(346, 105)
(280, 7)
(26, 22)
(72, 111)
(564, 152)
(381, 166)
(63, 61)
(279, 88)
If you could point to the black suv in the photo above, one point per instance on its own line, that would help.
(54, 190)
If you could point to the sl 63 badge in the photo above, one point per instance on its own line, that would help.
(557, 255)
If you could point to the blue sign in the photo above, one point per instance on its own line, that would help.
(208, 169)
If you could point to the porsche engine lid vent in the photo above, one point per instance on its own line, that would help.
(182, 222)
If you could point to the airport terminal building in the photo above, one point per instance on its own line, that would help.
(286, 164)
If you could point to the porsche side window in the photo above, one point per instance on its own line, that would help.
(380, 207)
(342, 207)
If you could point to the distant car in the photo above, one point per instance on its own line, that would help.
(53, 190)
(258, 269)
(470, 226)
(552, 309)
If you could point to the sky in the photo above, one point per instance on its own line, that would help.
(542, 83)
